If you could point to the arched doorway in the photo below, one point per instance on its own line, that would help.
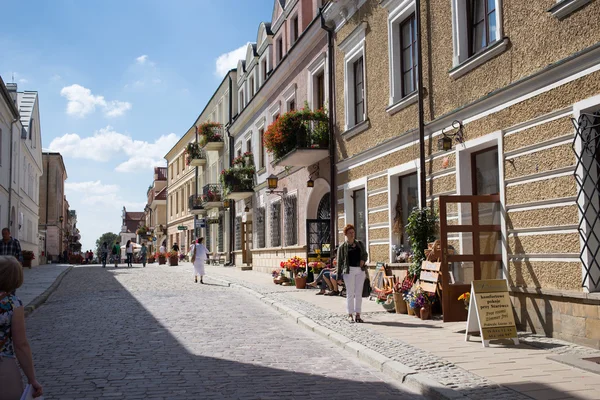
(318, 230)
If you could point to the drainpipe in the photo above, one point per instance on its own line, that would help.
(332, 166)
(423, 181)
(231, 203)
(10, 171)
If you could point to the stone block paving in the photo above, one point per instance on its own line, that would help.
(151, 333)
(437, 368)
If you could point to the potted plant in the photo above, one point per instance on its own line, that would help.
(421, 229)
(294, 265)
(27, 257)
(194, 154)
(209, 132)
(465, 297)
(161, 257)
(142, 230)
(300, 280)
(405, 289)
(151, 259)
(173, 257)
(399, 303)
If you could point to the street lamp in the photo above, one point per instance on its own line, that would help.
(445, 142)
(272, 182)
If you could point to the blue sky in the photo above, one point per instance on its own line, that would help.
(119, 83)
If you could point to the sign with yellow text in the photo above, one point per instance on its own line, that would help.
(490, 311)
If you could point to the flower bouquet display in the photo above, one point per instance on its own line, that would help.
(465, 297)
(293, 266)
(161, 257)
(173, 257)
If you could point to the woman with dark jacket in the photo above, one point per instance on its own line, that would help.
(351, 264)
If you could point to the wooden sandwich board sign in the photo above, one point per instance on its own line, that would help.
(490, 312)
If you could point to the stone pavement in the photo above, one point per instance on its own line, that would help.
(151, 333)
(37, 280)
(437, 350)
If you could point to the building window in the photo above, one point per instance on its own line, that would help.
(238, 233)
(260, 227)
(477, 33)
(292, 105)
(320, 91)
(275, 224)
(279, 49)
(359, 99)
(360, 214)
(486, 175)
(407, 200)
(295, 29)
(263, 150)
(264, 70)
(355, 90)
(208, 237)
(249, 145)
(251, 87)
(242, 105)
(291, 220)
(482, 20)
(1, 147)
(408, 55)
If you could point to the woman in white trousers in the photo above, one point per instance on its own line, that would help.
(351, 258)
(199, 254)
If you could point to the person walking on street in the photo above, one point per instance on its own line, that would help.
(351, 258)
(163, 248)
(10, 246)
(199, 254)
(129, 252)
(175, 247)
(104, 254)
(144, 254)
(14, 345)
(116, 252)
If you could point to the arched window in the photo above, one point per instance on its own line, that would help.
(324, 208)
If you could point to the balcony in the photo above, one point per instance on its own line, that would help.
(211, 136)
(195, 205)
(238, 181)
(195, 155)
(212, 196)
(299, 138)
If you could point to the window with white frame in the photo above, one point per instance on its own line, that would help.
(262, 157)
(294, 29)
(402, 42)
(264, 71)
(279, 49)
(477, 33)
(355, 100)
(251, 90)
(241, 97)
(316, 82)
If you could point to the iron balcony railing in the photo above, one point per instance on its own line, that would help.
(195, 202)
(212, 193)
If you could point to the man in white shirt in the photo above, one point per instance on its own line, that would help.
(162, 248)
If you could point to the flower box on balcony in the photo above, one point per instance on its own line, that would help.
(238, 181)
(195, 155)
(212, 196)
(298, 138)
(211, 136)
(195, 205)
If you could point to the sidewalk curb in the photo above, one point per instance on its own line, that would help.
(41, 299)
(425, 385)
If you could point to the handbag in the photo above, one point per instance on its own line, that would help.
(366, 292)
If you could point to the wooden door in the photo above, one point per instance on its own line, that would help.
(247, 242)
(470, 236)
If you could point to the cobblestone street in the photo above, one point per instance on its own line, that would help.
(152, 333)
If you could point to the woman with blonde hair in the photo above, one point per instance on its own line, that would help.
(13, 339)
(351, 258)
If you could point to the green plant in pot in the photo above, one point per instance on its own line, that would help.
(421, 229)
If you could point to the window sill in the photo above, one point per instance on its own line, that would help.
(564, 8)
(356, 129)
(482, 57)
(403, 103)
(261, 171)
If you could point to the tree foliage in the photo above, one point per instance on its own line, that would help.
(421, 229)
(107, 237)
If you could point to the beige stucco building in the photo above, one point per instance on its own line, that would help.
(194, 202)
(515, 84)
(155, 212)
(53, 220)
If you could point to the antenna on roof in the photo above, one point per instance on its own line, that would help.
(13, 77)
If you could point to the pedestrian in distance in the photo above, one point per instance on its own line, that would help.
(14, 345)
(144, 254)
(199, 254)
(351, 258)
(163, 248)
(175, 247)
(129, 253)
(116, 252)
(104, 254)
(10, 246)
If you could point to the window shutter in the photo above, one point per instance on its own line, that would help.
(275, 225)
(291, 220)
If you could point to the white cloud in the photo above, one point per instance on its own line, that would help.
(82, 102)
(55, 78)
(142, 59)
(23, 80)
(114, 201)
(91, 187)
(227, 61)
(107, 144)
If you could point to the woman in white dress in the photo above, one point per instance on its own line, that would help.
(199, 254)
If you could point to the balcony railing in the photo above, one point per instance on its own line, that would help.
(212, 195)
(195, 204)
(195, 155)
(238, 181)
(299, 138)
(211, 136)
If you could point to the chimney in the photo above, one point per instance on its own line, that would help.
(12, 89)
